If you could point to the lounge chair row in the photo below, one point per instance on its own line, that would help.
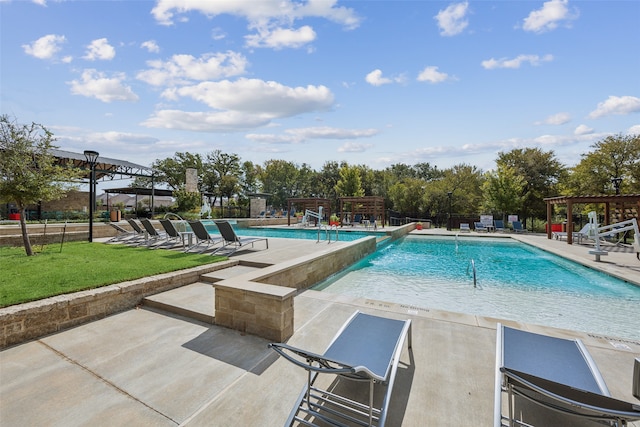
(547, 380)
(198, 238)
(498, 225)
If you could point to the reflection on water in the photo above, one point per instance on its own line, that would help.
(515, 281)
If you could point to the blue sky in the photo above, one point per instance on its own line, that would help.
(367, 82)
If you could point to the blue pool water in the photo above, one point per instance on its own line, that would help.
(291, 232)
(514, 281)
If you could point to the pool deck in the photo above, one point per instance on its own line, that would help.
(149, 367)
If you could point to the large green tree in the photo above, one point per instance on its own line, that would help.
(616, 156)
(221, 175)
(279, 178)
(173, 170)
(408, 196)
(350, 182)
(541, 172)
(502, 190)
(29, 173)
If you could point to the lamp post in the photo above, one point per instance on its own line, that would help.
(92, 157)
(616, 184)
(450, 193)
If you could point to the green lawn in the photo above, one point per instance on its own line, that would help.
(82, 265)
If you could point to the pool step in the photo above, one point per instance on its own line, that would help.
(195, 301)
(227, 273)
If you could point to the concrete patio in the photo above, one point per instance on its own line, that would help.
(151, 366)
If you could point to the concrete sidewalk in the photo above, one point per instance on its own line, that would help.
(149, 367)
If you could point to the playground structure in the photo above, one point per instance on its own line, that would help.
(598, 233)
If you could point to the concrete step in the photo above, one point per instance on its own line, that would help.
(195, 301)
(227, 273)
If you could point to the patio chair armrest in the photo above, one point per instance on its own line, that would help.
(325, 365)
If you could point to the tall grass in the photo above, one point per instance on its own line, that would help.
(83, 265)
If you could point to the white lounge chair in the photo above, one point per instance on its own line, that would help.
(558, 374)
(464, 227)
(584, 233)
(366, 348)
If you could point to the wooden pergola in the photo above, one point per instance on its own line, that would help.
(619, 200)
(312, 203)
(367, 205)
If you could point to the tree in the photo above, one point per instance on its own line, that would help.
(350, 183)
(427, 172)
(173, 170)
(615, 156)
(279, 179)
(541, 173)
(29, 172)
(407, 196)
(221, 175)
(502, 191)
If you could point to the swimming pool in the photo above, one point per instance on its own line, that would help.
(514, 281)
(291, 232)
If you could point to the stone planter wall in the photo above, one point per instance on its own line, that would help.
(31, 320)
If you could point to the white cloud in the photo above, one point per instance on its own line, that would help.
(616, 105)
(40, 2)
(259, 13)
(100, 49)
(634, 130)
(218, 33)
(226, 121)
(45, 47)
(259, 97)
(432, 75)
(516, 62)
(299, 135)
(181, 69)
(583, 130)
(94, 84)
(452, 20)
(548, 17)
(354, 147)
(375, 78)
(151, 46)
(240, 105)
(282, 38)
(556, 119)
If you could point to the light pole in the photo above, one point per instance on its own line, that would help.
(450, 193)
(616, 184)
(92, 157)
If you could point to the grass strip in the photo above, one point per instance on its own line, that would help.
(81, 266)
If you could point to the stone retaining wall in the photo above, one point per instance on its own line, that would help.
(31, 320)
(261, 302)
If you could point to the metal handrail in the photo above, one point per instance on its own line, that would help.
(472, 263)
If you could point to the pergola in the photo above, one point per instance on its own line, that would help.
(105, 168)
(312, 203)
(619, 200)
(367, 205)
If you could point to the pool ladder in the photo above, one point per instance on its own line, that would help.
(472, 264)
(328, 230)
